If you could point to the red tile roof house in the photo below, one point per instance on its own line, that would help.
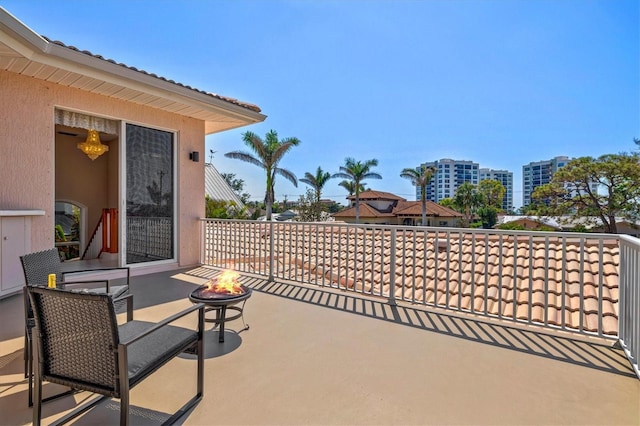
(379, 207)
(490, 288)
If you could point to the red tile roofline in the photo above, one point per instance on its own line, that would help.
(234, 101)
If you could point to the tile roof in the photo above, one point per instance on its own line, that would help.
(403, 208)
(234, 101)
(370, 194)
(365, 211)
(414, 208)
(497, 275)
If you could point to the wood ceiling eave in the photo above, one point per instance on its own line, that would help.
(18, 65)
(33, 69)
(107, 89)
(86, 83)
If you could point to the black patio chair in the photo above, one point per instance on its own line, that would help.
(79, 344)
(37, 267)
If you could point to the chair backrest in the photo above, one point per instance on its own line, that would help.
(37, 267)
(77, 339)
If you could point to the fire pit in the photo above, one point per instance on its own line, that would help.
(220, 294)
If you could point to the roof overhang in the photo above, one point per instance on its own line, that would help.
(24, 52)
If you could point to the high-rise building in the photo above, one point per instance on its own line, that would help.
(449, 175)
(505, 177)
(539, 173)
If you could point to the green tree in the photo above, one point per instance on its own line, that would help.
(492, 192)
(532, 209)
(356, 172)
(570, 191)
(351, 187)
(448, 203)
(237, 185)
(267, 154)
(468, 199)
(221, 209)
(420, 177)
(512, 226)
(488, 215)
(310, 209)
(317, 181)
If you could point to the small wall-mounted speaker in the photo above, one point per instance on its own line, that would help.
(194, 156)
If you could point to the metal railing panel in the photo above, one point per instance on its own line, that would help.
(551, 279)
(629, 308)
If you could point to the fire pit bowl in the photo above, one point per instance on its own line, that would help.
(204, 295)
(219, 295)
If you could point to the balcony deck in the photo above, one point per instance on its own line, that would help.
(319, 356)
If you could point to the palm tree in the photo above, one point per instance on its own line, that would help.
(317, 182)
(268, 154)
(468, 199)
(421, 177)
(357, 171)
(350, 186)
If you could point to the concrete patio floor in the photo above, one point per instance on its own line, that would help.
(318, 357)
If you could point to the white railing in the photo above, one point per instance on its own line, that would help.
(630, 298)
(567, 281)
(150, 237)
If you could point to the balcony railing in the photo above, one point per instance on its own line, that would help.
(581, 283)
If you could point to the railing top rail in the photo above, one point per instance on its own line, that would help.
(478, 231)
(628, 239)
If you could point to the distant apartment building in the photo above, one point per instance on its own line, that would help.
(505, 177)
(449, 175)
(539, 173)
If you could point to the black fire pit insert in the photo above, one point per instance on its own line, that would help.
(220, 302)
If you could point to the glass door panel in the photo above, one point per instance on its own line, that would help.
(150, 222)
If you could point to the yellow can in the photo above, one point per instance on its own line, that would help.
(52, 281)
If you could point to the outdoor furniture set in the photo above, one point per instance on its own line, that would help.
(72, 338)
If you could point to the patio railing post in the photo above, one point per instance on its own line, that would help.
(270, 250)
(392, 270)
(203, 241)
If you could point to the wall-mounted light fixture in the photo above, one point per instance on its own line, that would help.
(92, 146)
(194, 156)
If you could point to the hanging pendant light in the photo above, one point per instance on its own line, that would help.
(92, 146)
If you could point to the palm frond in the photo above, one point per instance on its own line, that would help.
(244, 156)
(287, 175)
(255, 143)
(371, 175)
(282, 149)
(342, 175)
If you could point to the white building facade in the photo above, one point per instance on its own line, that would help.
(449, 175)
(505, 177)
(539, 173)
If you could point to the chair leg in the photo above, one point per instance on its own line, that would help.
(26, 354)
(30, 372)
(124, 409)
(37, 392)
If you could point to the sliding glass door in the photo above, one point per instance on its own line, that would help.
(150, 213)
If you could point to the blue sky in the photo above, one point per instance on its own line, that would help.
(501, 83)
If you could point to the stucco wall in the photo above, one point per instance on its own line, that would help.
(27, 154)
(93, 187)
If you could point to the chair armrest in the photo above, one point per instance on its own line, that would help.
(62, 285)
(98, 270)
(128, 298)
(166, 321)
